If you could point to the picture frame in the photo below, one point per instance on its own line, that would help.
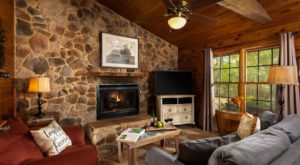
(119, 51)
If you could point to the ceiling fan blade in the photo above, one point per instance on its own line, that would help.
(202, 3)
(169, 4)
(202, 19)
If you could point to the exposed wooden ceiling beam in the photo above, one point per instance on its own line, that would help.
(249, 8)
(202, 3)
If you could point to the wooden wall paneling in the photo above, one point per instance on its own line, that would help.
(195, 63)
(7, 98)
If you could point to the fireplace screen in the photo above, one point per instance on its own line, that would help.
(117, 101)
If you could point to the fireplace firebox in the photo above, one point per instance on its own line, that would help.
(117, 100)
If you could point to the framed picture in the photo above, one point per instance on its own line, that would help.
(119, 51)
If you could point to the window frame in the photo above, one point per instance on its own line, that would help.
(243, 72)
(219, 83)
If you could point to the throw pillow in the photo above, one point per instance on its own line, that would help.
(51, 139)
(257, 127)
(246, 126)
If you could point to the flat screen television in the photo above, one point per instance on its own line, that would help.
(173, 82)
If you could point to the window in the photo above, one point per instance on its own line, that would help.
(259, 96)
(226, 78)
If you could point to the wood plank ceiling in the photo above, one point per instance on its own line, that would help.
(231, 28)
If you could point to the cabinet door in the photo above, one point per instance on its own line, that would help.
(185, 108)
(169, 108)
(185, 118)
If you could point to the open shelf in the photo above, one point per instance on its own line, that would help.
(117, 74)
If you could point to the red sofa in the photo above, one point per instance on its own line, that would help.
(17, 147)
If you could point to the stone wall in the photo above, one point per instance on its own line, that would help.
(60, 39)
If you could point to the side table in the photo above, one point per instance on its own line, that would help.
(36, 123)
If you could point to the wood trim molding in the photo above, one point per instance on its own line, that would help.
(117, 74)
(269, 42)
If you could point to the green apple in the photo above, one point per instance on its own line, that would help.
(163, 123)
(159, 124)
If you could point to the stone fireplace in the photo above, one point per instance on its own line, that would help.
(117, 100)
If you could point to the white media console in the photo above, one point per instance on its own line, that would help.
(178, 107)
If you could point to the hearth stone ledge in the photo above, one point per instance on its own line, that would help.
(106, 131)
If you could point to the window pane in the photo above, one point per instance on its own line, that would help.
(251, 106)
(217, 76)
(232, 107)
(225, 75)
(265, 57)
(217, 62)
(264, 92)
(234, 75)
(276, 56)
(233, 90)
(217, 103)
(225, 62)
(263, 73)
(263, 105)
(224, 103)
(252, 74)
(216, 90)
(234, 60)
(224, 90)
(252, 58)
(251, 90)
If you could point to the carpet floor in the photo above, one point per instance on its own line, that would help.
(108, 153)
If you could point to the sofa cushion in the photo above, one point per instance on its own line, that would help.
(291, 126)
(198, 151)
(51, 139)
(291, 156)
(246, 126)
(252, 150)
(267, 119)
(17, 141)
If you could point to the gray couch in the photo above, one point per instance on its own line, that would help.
(279, 144)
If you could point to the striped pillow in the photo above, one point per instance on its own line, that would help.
(246, 126)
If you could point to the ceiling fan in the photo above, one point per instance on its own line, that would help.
(179, 11)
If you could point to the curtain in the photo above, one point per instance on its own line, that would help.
(207, 115)
(288, 58)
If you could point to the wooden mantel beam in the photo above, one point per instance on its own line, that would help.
(249, 8)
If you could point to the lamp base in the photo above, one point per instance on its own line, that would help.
(40, 113)
(281, 103)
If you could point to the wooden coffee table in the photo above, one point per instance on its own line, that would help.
(147, 138)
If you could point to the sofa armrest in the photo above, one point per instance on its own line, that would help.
(156, 156)
(87, 156)
(75, 133)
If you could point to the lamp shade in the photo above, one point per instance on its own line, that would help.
(177, 22)
(39, 84)
(283, 75)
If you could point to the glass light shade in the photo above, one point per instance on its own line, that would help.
(39, 84)
(177, 22)
(286, 75)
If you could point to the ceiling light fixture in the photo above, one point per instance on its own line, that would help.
(177, 22)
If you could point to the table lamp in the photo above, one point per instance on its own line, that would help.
(282, 75)
(39, 85)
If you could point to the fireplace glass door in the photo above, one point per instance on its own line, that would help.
(117, 101)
